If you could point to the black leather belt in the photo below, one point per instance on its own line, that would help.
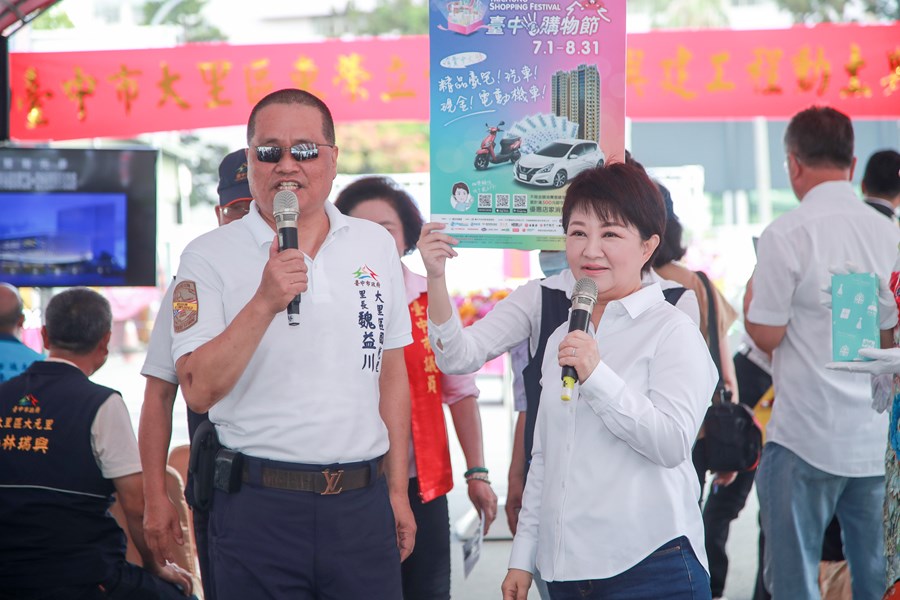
(328, 481)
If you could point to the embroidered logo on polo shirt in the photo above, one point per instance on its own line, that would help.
(366, 276)
(28, 400)
(185, 305)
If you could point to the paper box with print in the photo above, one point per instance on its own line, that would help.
(854, 315)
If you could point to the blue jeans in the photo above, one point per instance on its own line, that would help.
(796, 503)
(671, 572)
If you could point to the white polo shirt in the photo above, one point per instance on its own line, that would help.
(310, 393)
(158, 361)
(823, 416)
(611, 477)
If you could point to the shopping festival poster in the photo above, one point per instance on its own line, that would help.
(524, 96)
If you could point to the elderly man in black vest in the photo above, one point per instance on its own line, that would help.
(67, 446)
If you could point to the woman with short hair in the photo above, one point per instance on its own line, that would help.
(611, 502)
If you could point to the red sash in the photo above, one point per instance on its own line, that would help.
(429, 432)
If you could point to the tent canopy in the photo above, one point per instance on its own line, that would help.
(19, 12)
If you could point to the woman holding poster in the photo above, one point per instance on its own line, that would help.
(611, 501)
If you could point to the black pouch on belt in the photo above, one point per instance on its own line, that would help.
(229, 470)
(202, 465)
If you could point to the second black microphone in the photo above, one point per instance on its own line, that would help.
(584, 296)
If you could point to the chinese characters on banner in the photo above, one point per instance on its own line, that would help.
(123, 93)
(524, 96)
(720, 74)
(708, 74)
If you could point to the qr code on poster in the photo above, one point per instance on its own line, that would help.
(484, 201)
(503, 202)
(520, 202)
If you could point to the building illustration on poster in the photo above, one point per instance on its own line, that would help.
(576, 96)
(524, 97)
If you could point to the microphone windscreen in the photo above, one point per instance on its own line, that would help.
(586, 290)
(285, 201)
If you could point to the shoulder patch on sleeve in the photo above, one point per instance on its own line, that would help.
(185, 305)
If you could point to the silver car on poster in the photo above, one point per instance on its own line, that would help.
(558, 162)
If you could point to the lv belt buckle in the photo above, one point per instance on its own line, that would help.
(332, 482)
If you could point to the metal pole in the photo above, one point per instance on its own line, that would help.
(5, 102)
(763, 172)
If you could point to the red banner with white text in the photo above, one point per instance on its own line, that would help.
(705, 74)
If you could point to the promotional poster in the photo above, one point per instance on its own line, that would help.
(524, 97)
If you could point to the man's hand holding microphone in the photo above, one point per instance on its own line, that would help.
(285, 275)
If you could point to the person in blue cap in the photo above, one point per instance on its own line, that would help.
(68, 447)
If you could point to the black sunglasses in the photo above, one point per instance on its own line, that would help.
(299, 152)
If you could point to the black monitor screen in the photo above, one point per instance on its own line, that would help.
(77, 217)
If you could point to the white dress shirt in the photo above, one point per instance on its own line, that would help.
(821, 415)
(514, 319)
(611, 477)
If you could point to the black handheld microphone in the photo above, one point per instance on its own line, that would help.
(584, 296)
(287, 211)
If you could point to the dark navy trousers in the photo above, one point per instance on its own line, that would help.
(128, 582)
(270, 543)
(426, 572)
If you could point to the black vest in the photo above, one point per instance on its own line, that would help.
(885, 210)
(555, 305)
(54, 500)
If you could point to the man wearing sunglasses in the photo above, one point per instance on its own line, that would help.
(162, 529)
(308, 501)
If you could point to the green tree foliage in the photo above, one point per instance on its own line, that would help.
(815, 10)
(187, 14)
(887, 10)
(383, 147)
(53, 18)
(714, 13)
(818, 11)
(398, 17)
(683, 14)
(204, 166)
